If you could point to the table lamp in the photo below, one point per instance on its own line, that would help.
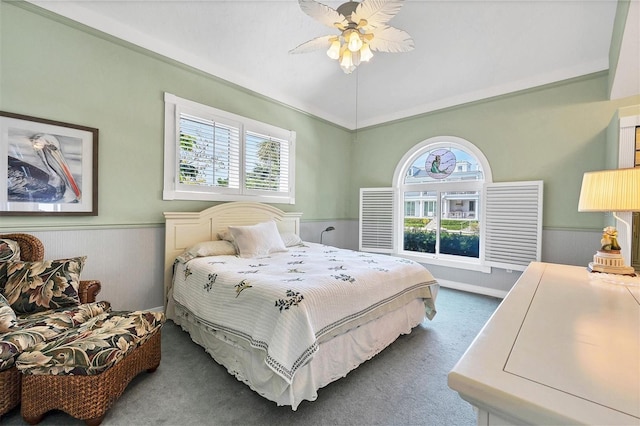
(611, 191)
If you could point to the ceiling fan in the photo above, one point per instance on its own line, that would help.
(363, 29)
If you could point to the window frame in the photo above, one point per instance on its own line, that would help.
(174, 190)
(461, 262)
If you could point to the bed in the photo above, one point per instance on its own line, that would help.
(284, 316)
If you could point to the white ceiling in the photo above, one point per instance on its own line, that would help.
(464, 50)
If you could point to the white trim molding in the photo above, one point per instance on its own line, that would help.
(626, 159)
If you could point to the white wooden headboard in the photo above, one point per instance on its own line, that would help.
(183, 229)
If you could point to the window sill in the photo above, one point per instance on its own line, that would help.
(430, 259)
(205, 196)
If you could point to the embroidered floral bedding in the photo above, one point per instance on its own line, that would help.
(288, 302)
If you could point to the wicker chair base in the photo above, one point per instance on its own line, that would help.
(86, 397)
(9, 389)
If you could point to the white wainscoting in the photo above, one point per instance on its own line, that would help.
(129, 261)
(345, 234)
(570, 247)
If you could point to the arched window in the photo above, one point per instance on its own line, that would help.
(443, 208)
(439, 185)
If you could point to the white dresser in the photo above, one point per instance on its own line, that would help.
(562, 348)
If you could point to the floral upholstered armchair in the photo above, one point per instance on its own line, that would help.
(39, 299)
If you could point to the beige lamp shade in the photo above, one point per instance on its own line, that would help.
(610, 191)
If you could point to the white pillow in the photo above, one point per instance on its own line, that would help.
(208, 248)
(290, 239)
(212, 248)
(257, 240)
(225, 235)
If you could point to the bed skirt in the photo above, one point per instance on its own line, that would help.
(334, 359)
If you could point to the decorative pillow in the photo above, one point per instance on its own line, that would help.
(9, 250)
(8, 319)
(226, 235)
(290, 239)
(257, 240)
(38, 286)
(208, 248)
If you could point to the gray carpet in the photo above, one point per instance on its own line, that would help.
(406, 384)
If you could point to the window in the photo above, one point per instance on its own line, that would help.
(215, 155)
(444, 209)
(446, 179)
(409, 208)
(429, 207)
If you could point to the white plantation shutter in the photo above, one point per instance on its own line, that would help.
(266, 163)
(511, 220)
(209, 153)
(215, 155)
(513, 224)
(376, 219)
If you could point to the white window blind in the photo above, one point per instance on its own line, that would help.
(376, 219)
(513, 224)
(215, 155)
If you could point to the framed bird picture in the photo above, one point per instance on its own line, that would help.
(49, 167)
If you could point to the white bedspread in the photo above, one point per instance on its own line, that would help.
(286, 303)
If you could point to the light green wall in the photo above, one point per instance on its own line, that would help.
(51, 68)
(554, 133)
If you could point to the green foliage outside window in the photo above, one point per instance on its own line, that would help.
(266, 173)
(457, 225)
(450, 243)
(414, 222)
(188, 172)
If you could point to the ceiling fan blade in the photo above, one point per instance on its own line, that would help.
(389, 39)
(315, 44)
(323, 13)
(376, 12)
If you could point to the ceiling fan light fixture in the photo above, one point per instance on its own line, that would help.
(355, 58)
(363, 28)
(365, 53)
(334, 49)
(355, 42)
(349, 70)
(346, 61)
(349, 61)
